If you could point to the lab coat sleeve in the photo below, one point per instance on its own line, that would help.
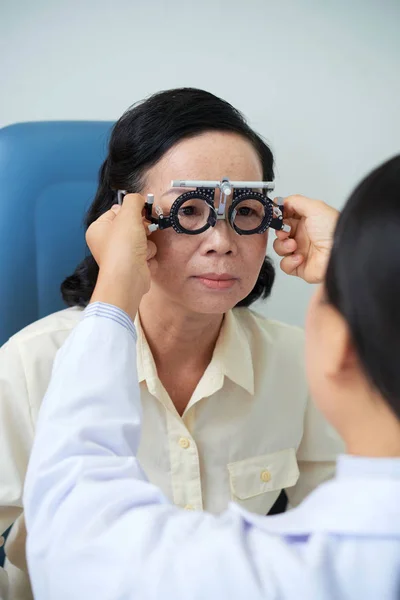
(96, 527)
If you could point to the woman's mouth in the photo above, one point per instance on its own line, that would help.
(217, 281)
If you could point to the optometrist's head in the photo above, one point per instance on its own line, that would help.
(353, 325)
(191, 133)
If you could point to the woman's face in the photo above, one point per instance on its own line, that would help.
(212, 271)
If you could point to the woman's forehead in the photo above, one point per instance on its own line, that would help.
(210, 156)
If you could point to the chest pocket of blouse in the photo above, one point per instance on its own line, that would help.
(257, 481)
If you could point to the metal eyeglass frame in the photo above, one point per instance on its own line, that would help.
(204, 190)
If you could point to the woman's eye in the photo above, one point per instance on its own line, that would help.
(245, 211)
(188, 211)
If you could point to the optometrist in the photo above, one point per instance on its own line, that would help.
(98, 529)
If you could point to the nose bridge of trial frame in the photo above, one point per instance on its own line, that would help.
(225, 187)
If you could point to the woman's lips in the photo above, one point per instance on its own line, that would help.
(215, 281)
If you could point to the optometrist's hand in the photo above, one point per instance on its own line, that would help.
(119, 244)
(306, 249)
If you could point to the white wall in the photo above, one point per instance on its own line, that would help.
(319, 79)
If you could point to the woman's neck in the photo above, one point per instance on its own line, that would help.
(177, 336)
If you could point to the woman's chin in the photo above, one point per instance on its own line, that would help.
(213, 303)
(201, 299)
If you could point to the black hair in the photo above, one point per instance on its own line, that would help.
(143, 134)
(363, 276)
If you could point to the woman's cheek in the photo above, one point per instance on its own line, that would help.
(254, 249)
(173, 254)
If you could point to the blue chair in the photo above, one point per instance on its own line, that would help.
(48, 178)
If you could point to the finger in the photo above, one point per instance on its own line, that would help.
(109, 215)
(116, 208)
(285, 247)
(281, 235)
(290, 264)
(299, 206)
(151, 250)
(133, 204)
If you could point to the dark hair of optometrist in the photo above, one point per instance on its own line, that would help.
(139, 139)
(363, 277)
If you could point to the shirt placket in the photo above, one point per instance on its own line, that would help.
(185, 474)
(185, 465)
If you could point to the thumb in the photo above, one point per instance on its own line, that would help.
(109, 215)
(133, 206)
(299, 206)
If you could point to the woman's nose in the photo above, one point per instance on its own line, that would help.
(220, 239)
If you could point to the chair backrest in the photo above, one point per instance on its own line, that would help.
(48, 178)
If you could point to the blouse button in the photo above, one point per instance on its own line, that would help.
(265, 476)
(184, 443)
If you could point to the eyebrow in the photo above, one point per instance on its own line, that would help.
(177, 190)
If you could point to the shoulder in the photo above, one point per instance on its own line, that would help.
(264, 332)
(26, 360)
(276, 350)
(44, 334)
